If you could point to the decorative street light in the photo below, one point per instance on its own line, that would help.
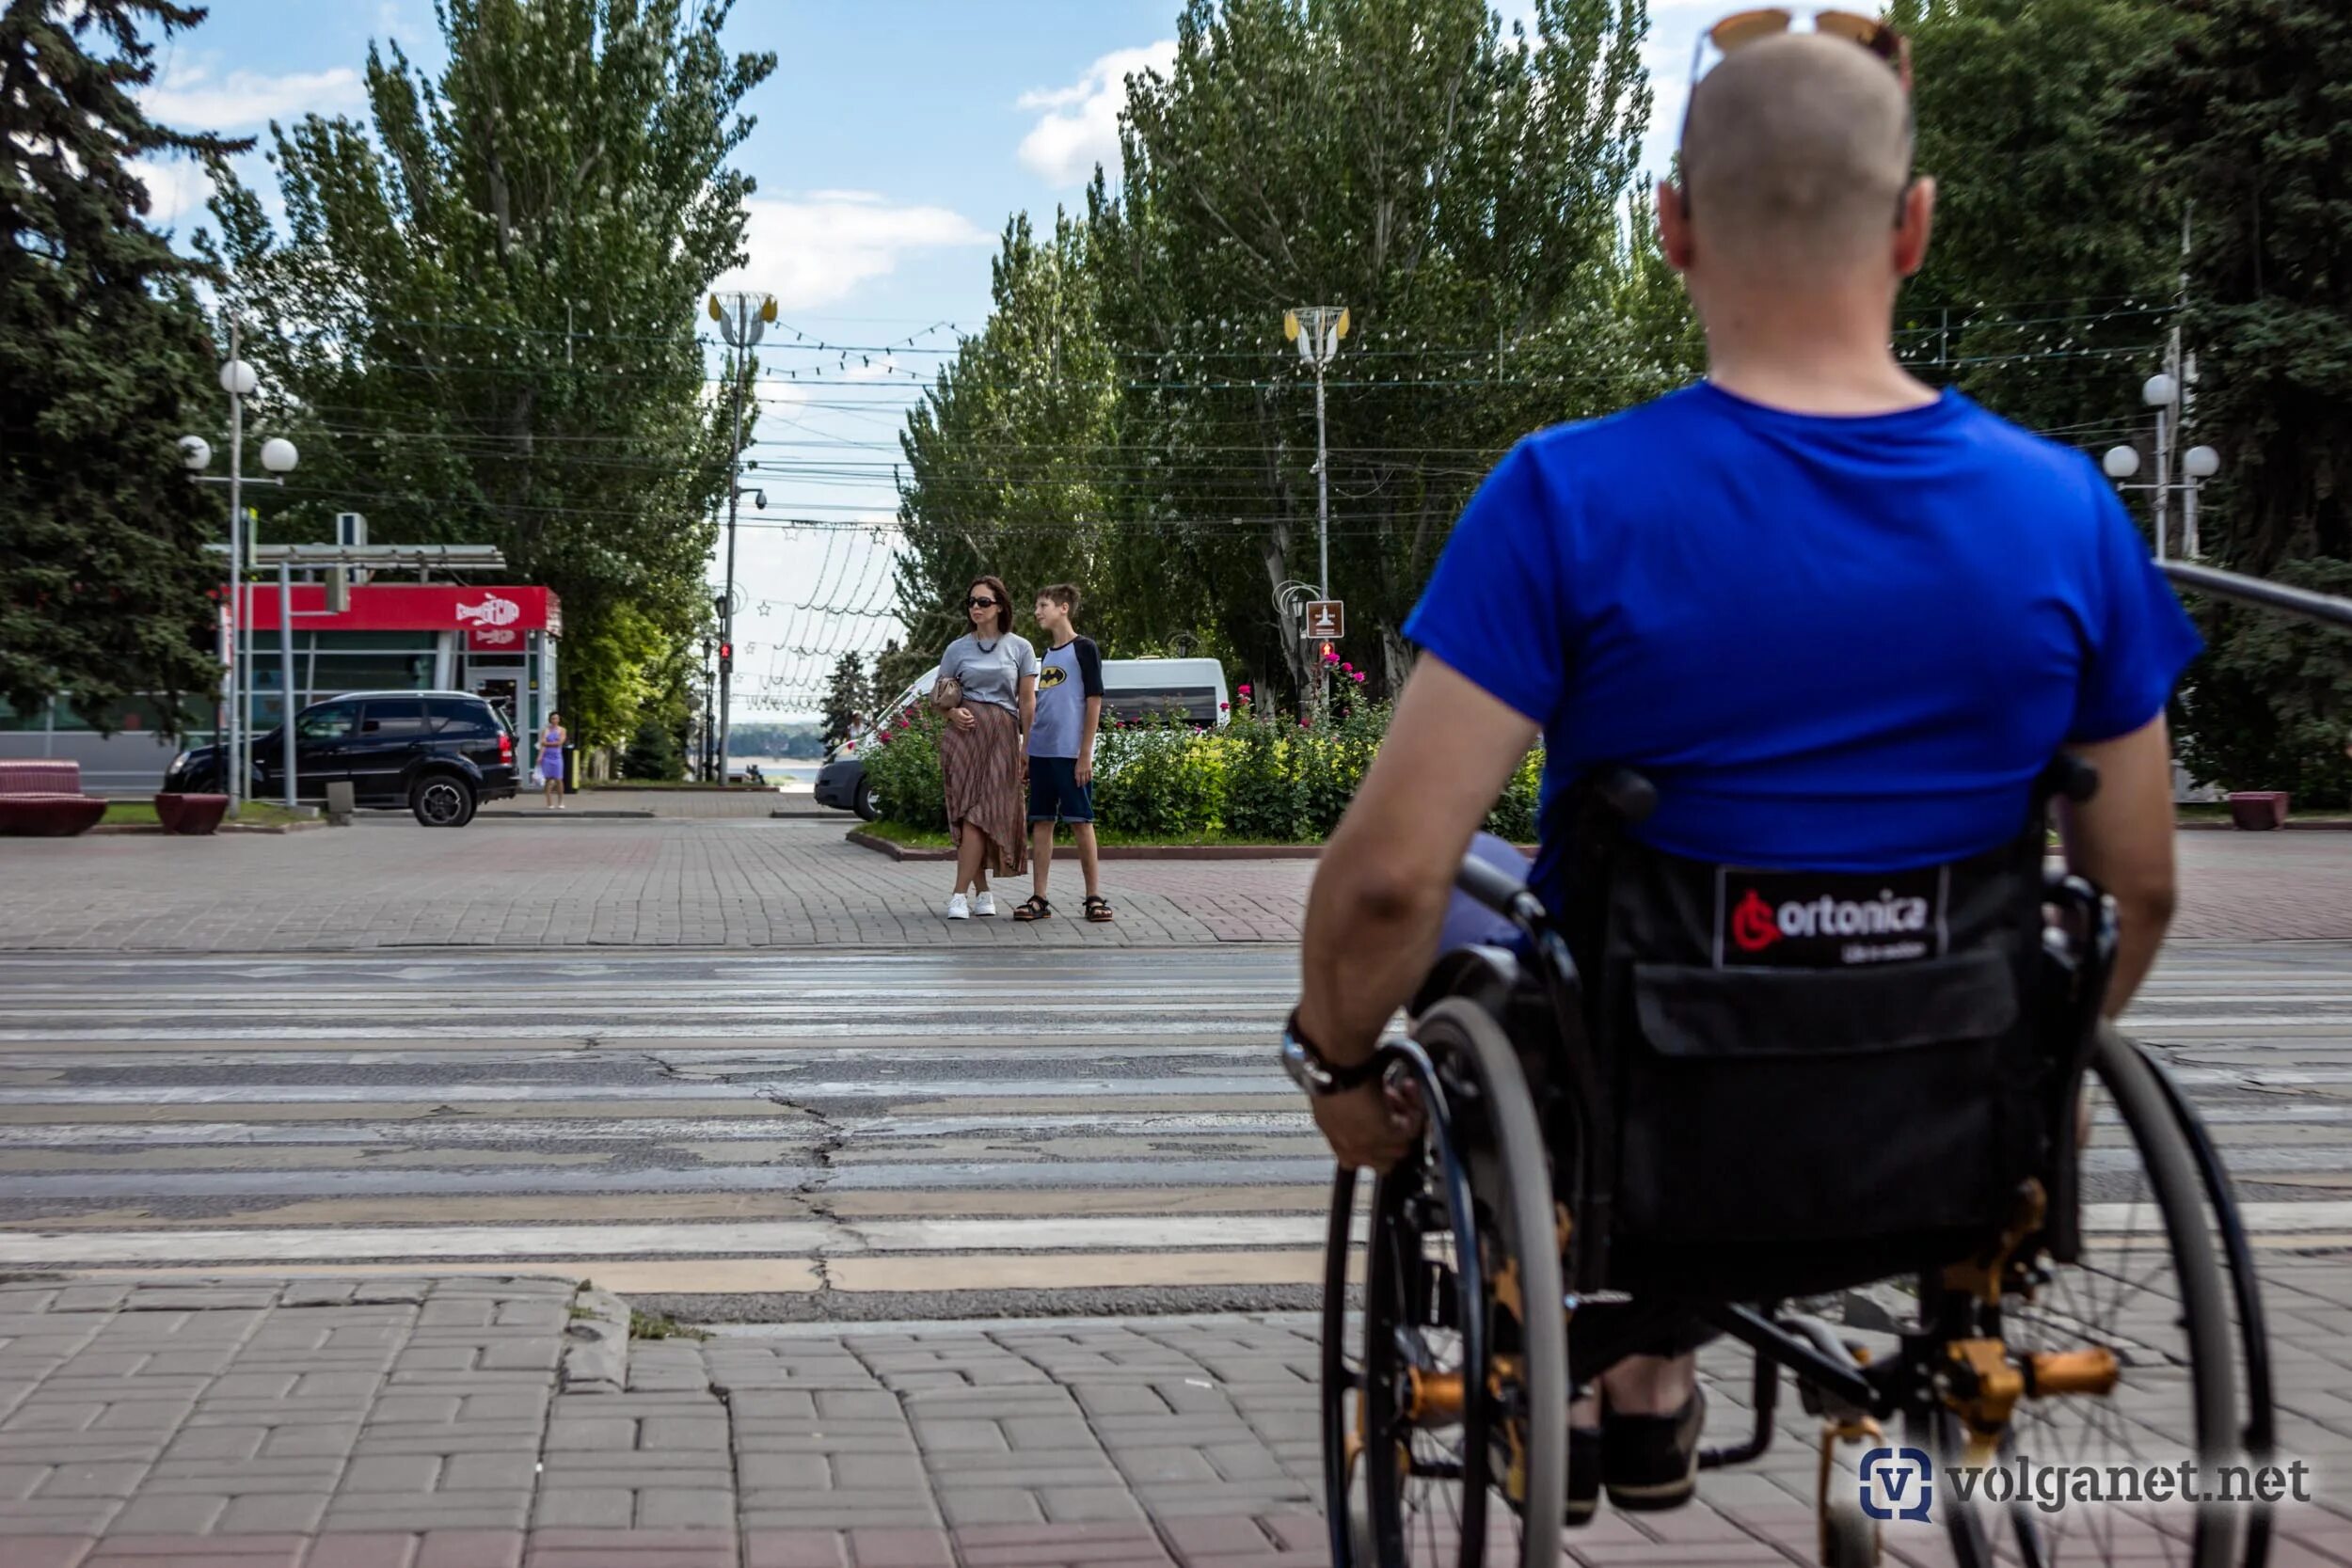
(2162, 392)
(742, 319)
(1317, 330)
(280, 458)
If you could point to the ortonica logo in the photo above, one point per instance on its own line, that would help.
(1897, 1483)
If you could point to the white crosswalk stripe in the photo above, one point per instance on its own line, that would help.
(846, 1124)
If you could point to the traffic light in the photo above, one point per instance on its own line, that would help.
(727, 658)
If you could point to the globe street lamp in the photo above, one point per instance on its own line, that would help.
(2163, 393)
(279, 457)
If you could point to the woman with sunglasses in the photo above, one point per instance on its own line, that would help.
(995, 672)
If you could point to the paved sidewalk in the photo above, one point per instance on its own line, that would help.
(440, 1423)
(758, 885)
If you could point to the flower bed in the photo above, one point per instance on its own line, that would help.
(1267, 777)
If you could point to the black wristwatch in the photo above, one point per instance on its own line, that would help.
(1311, 1072)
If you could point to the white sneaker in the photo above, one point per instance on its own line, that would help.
(959, 908)
(984, 903)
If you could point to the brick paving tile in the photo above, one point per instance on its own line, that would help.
(632, 1548)
(1173, 1445)
(352, 1549)
(44, 1551)
(198, 1551)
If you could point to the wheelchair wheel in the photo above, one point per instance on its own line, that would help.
(1457, 1451)
(2259, 1432)
(2148, 1291)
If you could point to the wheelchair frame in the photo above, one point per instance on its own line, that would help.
(1926, 1377)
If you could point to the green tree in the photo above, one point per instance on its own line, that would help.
(2271, 704)
(2245, 118)
(653, 753)
(1461, 192)
(845, 699)
(895, 668)
(1006, 453)
(485, 311)
(2052, 281)
(107, 362)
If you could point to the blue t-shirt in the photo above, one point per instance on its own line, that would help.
(1834, 643)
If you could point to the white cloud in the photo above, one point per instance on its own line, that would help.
(816, 248)
(175, 187)
(189, 98)
(1079, 128)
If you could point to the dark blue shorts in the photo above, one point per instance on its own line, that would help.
(1055, 791)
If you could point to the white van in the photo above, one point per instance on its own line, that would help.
(1190, 689)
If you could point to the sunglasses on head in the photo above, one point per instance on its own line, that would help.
(1741, 28)
(980, 604)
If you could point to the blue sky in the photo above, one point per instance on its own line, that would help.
(894, 138)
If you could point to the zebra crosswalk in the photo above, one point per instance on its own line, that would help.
(827, 1129)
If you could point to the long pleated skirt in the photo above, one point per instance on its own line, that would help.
(985, 788)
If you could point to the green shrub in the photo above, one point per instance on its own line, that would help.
(1514, 817)
(1164, 779)
(1263, 779)
(1260, 789)
(902, 765)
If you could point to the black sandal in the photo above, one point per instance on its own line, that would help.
(1034, 908)
(1099, 909)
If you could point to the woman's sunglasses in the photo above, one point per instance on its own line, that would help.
(980, 604)
(1741, 28)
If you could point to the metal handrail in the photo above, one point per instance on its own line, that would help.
(2302, 602)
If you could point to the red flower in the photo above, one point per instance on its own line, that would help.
(1225, 708)
(1244, 689)
(883, 740)
(1360, 677)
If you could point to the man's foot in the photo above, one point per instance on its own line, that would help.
(1099, 909)
(1032, 908)
(984, 904)
(959, 908)
(1652, 1462)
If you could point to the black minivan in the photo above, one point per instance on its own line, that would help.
(439, 753)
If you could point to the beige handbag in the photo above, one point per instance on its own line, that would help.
(947, 694)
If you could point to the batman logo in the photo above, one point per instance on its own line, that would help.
(1050, 676)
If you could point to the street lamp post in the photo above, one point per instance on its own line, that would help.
(741, 321)
(1317, 330)
(2162, 392)
(279, 457)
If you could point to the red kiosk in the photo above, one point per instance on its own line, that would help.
(497, 641)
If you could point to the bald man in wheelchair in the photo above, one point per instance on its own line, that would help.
(1840, 620)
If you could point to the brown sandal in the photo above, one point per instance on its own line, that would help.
(1098, 910)
(1033, 908)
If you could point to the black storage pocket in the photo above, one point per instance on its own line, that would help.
(1809, 1106)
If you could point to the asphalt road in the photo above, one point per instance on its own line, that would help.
(840, 1137)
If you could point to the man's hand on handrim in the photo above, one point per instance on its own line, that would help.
(1370, 1128)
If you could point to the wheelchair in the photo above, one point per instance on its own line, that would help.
(1870, 1177)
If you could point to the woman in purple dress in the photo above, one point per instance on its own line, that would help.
(551, 762)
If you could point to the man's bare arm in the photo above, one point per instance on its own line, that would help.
(1382, 884)
(2122, 839)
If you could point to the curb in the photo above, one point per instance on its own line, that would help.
(897, 851)
(566, 815)
(596, 1345)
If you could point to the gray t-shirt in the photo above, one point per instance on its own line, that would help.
(990, 672)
